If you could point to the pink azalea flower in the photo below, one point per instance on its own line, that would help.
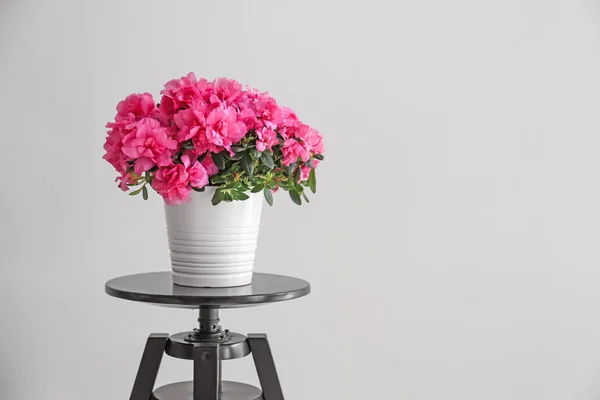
(183, 90)
(124, 180)
(190, 121)
(178, 195)
(292, 150)
(150, 145)
(311, 138)
(129, 111)
(135, 106)
(267, 138)
(209, 165)
(225, 90)
(180, 94)
(172, 183)
(197, 175)
(222, 130)
(264, 107)
(167, 109)
(285, 119)
(113, 147)
(124, 125)
(248, 117)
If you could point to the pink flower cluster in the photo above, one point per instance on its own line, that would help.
(212, 116)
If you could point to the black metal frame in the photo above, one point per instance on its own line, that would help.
(207, 371)
(149, 365)
(265, 366)
(209, 342)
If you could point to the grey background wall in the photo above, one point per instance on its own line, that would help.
(452, 244)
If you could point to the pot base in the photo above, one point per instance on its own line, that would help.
(212, 280)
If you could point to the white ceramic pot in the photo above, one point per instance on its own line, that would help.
(213, 246)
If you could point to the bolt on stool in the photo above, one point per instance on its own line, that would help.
(208, 345)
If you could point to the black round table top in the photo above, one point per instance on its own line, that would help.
(158, 288)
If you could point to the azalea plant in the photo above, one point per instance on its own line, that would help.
(211, 134)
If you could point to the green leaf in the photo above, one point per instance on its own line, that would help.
(295, 197)
(237, 156)
(305, 198)
(297, 175)
(145, 192)
(219, 160)
(188, 145)
(217, 179)
(286, 185)
(238, 149)
(242, 195)
(290, 169)
(136, 191)
(312, 181)
(217, 197)
(248, 165)
(319, 157)
(199, 189)
(258, 188)
(267, 160)
(228, 187)
(227, 196)
(255, 154)
(309, 163)
(268, 196)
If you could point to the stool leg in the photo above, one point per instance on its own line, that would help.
(207, 371)
(265, 366)
(148, 370)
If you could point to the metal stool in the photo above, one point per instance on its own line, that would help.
(209, 344)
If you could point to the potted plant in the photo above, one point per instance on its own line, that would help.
(213, 151)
